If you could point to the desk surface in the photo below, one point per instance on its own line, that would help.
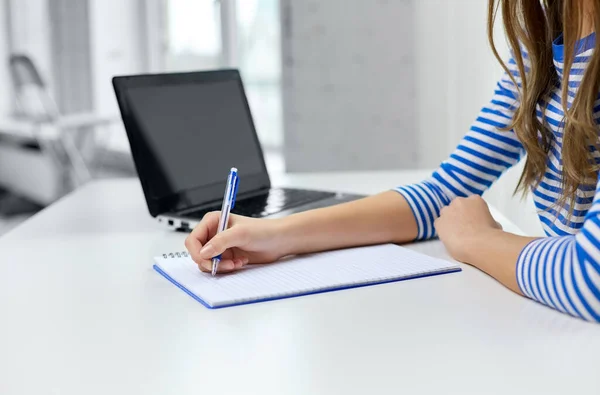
(82, 312)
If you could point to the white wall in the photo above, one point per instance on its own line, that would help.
(348, 85)
(5, 83)
(117, 45)
(31, 34)
(456, 74)
(432, 97)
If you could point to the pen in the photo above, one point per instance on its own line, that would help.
(228, 204)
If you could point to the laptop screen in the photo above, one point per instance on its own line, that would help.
(186, 133)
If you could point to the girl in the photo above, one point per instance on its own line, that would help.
(546, 106)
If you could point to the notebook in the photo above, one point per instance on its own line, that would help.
(300, 275)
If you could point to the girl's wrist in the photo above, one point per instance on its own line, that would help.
(478, 243)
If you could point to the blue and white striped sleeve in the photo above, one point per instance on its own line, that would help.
(564, 272)
(481, 157)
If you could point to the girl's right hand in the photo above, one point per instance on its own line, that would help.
(247, 240)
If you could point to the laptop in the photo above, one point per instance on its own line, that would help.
(186, 130)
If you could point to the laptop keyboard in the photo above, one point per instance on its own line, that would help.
(275, 201)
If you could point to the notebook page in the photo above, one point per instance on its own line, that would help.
(303, 274)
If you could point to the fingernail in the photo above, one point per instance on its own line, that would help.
(245, 261)
(208, 251)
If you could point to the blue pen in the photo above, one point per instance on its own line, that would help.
(228, 204)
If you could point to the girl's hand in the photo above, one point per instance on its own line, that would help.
(463, 223)
(247, 240)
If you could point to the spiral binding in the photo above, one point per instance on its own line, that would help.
(182, 254)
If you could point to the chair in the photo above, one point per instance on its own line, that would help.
(62, 136)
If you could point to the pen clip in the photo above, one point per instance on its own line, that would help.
(234, 193)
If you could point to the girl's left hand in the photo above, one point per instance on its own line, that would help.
(463, 224)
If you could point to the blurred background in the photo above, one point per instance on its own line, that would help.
(335, 85)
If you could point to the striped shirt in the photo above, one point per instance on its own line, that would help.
(563, 269)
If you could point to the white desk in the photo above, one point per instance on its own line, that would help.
(82, 312)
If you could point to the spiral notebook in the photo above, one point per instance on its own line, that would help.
(301, 275)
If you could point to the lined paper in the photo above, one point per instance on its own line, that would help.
(301, 275)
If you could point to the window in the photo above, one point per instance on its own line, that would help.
(260, 64)
(193, 35)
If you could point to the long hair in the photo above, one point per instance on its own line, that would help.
(533, 25)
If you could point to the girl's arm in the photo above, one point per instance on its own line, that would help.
(560, 272)
(382, 218)
(399, 216)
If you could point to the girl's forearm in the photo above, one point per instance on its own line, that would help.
(496, 253)
(382, 218)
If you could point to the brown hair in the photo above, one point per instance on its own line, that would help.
(533, 25)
